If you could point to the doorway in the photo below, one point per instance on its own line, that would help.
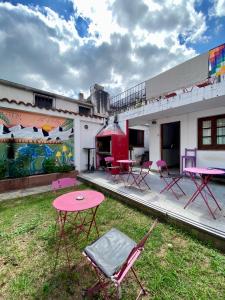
(170, 144)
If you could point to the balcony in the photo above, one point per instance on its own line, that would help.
(187, 98)
(133, 97)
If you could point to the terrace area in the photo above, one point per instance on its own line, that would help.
(196, 217)
(174, 264)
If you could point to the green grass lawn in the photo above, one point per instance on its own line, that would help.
(173, 265)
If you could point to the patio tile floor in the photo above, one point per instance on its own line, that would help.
(196, 214)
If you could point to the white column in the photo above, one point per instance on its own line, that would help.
(77, 145)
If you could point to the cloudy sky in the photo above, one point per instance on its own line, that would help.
(65, 46)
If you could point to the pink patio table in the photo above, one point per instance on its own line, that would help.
(77, 202)
(205, 175)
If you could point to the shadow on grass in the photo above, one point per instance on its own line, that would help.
(65, 283)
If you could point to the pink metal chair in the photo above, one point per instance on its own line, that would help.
(170, 179)
(189, 156)
(111, 169)
(140, 175)
(63, 183)
(112, 256)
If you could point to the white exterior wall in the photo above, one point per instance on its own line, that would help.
(12, 93)
(87, 140)
(188, 138)
(183, 75)
(66, 105)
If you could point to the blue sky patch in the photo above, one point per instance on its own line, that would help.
(82, 25)
(63, 7)
(215, 32)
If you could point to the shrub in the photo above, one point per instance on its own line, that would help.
(65, 168)
(49, 165)
(17, 168)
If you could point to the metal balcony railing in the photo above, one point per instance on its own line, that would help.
(132, 97)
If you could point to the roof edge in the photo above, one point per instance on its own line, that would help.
(35, 90)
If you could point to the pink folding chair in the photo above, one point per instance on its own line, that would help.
(111, 169)
(112, 256)
(139, 176)
(170, 179)
(63, 183)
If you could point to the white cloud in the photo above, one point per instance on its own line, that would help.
(218, 8)
(128, 42)
(102, 21)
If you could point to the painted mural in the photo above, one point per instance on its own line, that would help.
(217, 61)
(34, 144)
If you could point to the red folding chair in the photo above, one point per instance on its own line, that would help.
(112, 256)
(111, 169)
(140, 175)
(170, 179)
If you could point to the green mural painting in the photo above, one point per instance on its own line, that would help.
(34, 144)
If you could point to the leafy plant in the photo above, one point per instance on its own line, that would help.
(65, 168)
(17, 168)
(49, 165)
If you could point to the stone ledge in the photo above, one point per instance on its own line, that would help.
(10, 184)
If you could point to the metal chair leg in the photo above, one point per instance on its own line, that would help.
(143, 291)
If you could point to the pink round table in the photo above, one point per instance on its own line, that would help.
(205, 175)
(77, 202)
(204, 171)
(69, 202)
(126, 162)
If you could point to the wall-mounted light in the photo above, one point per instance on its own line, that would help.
(154, 122)
(85, 126)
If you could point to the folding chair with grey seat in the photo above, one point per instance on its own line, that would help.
(170, 179)
(112, 256)
(112, 169)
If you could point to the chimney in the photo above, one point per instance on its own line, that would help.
(81, 97)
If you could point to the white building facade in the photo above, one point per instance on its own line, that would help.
(184, 108)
